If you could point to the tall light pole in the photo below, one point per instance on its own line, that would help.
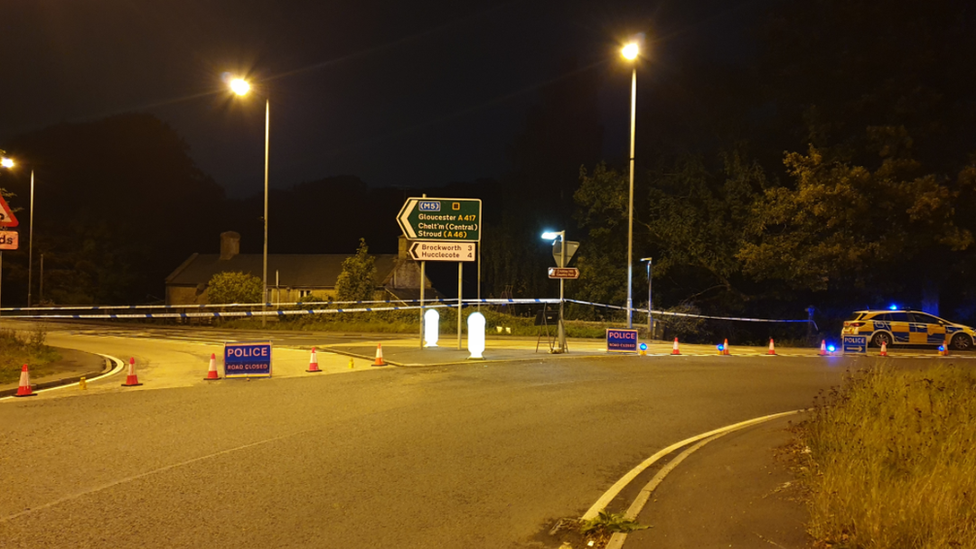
(30, 244)
(5, 163)
(650, 298)
(630, 52)
(561, 235)
(241, 87)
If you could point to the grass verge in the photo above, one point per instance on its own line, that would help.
(26, 347)
(891, 460)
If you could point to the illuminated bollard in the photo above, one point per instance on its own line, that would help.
(432, 321)
(476, 335)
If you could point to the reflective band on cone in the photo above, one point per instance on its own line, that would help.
(674, 349)
(212, 372)
(313, 363)
(24, 389)
(131, 380)
(379, 355)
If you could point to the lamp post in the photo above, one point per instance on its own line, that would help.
(650, 300)
(5, 162)
(562, 263)
(241, 87)
(631, 52)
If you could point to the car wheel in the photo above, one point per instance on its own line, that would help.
(879, 338)
(961, 342)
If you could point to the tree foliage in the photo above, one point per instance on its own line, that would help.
(357, 281)
(234, 287)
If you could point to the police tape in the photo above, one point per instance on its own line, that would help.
(686, 315)
(433, 303)
(214, 305)
(224, 314)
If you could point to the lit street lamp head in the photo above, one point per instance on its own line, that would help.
(240, 86)
(549, 235)
(7, 162)
(630, 51)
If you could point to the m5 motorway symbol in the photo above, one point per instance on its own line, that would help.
(441, 219)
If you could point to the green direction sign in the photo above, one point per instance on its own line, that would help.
(451, 219)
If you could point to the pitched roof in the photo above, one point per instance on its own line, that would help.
(294, 270)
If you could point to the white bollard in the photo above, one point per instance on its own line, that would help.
(432, 321)
(476, 335)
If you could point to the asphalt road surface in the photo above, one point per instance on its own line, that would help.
(461, 456)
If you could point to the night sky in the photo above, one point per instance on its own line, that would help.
(404, 94)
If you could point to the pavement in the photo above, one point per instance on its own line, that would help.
(734, 491)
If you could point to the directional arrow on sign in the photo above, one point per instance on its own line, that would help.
(442, 219)
(423, 250)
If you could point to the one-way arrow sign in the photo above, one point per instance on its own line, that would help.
(443, 251)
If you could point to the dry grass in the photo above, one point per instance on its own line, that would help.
(893, 460)
(19, 348)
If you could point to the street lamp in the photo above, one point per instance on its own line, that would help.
(561, 235)
(241, 87)
(631, 52)
(650, 300)
(8, 163)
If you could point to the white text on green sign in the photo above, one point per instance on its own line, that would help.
(451, 219)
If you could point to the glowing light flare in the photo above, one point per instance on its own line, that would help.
(431, 323)
(240, 86)
(643, 346)
(476, 335)
(831, 348)
(893, 307)
(7, 162)
(549, 235)
(630, 51)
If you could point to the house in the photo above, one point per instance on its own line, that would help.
(293, 277)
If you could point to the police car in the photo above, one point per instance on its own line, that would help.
(908, 327)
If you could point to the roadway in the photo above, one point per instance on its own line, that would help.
(463, 455)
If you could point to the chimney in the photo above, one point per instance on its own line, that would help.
(230, 244)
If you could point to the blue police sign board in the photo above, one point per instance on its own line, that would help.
(247, 359)
(856, 344)
(622, 340)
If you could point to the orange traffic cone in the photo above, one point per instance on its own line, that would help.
(772, 349)
(24, 390)
(944, 349)
(212, 372)
(131, 380)
(823, 348)
(674, 349)
(313, 363)
(884, 348)
(725, 347)
(379, 355)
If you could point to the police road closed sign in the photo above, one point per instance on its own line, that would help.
(855, 344)
(247, 359)
(622, 340)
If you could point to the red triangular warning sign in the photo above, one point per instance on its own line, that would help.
(7, 217)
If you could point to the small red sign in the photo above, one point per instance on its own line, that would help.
(8, 240)
(571, 273)
(7, 217)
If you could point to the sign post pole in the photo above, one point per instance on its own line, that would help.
(562, 283)
(460, 267)
(423, 279)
